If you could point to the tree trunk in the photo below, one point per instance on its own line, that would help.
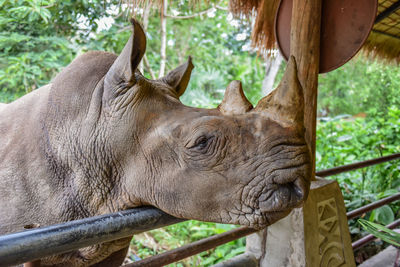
(145, 61)
(163, 49)
(271, 70)
(146, 13)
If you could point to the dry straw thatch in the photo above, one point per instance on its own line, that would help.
(383, 42)
(384, 39)
(264, 10)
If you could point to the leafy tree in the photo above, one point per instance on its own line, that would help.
(359, 86)
(38, 38)
(33, 52)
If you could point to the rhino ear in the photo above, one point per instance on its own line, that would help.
(179, 78)
(235, 102)
(123, 68)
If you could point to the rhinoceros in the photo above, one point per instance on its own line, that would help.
(102, 138)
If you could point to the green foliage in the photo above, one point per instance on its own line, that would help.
(366, 86)
(383, 214)
(34, 54)
(174, 236)
(343, 140)
(381, 232)
(38, 38)
(207, 86)
(217, 55)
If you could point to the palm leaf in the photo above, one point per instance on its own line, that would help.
(381, 232)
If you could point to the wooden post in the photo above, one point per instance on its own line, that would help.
(324, 209)
(305, 47)
(316, 234)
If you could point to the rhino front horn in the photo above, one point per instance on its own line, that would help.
(286, 103)
(234, 102)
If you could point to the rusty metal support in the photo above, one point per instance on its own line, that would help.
(32, 264)
(30, 245)
(357, 165)
(366, 239)
(358, 212)
(193, 248)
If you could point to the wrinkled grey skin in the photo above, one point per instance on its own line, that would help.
(102, 138)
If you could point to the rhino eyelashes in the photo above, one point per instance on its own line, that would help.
(201, 142)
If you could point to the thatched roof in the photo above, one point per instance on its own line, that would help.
(383, 41)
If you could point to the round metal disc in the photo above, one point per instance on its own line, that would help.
(345, 27)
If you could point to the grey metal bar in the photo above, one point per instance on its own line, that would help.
(357, 165)
(37, 243)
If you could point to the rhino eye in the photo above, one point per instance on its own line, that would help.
(200, 143)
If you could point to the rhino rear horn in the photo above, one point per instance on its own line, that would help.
(286, 103)
(179, 78)
(123, 68)
(235, 102)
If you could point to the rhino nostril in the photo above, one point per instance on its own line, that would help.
(283, 197)
(295, 193)
(298, 191)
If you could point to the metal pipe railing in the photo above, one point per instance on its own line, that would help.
(38, 243)
(357, 165)
(194, 248)
(180, 253)
(358, 212)
(368, 238)
(216, 240)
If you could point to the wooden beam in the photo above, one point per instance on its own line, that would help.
(387, 12)
(305, 47)
(387, 34)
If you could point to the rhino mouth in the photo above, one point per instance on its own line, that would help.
(275, 200)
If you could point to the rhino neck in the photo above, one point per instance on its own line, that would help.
(81, 166)
(20, 157)
(38, 136)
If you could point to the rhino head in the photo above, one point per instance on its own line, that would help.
(117, 140)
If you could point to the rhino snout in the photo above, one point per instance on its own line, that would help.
(288, 190)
